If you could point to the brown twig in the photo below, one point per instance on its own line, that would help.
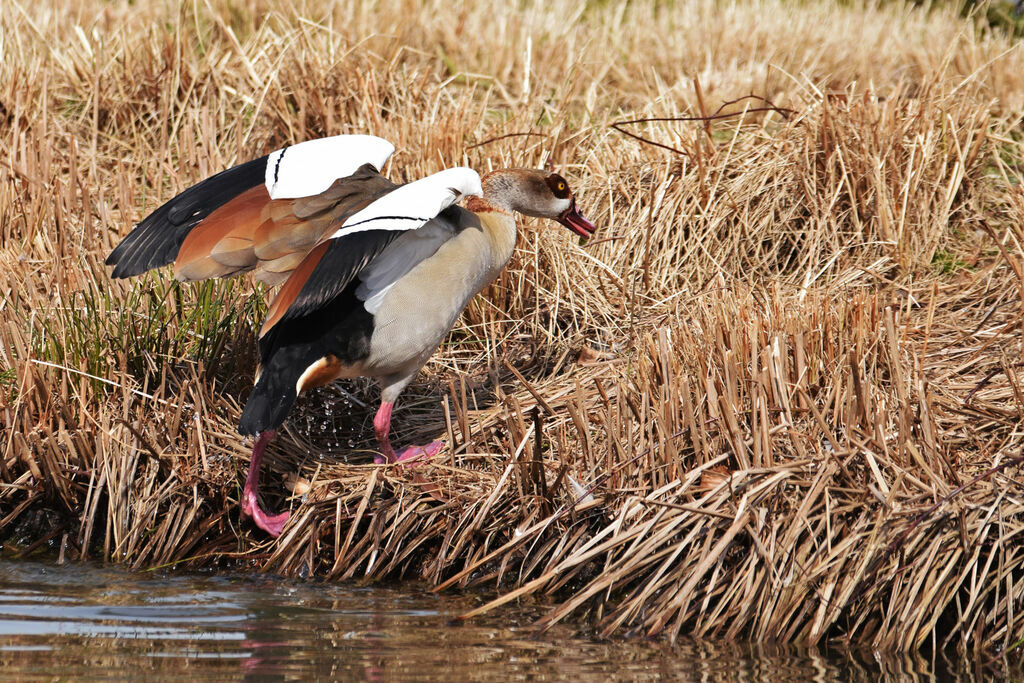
(503, 137)
(717, 115)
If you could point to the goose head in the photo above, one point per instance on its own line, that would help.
(536, 193)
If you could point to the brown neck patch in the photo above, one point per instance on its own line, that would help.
(481, 205)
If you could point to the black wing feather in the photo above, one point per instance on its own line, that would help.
(155, 241)
(342, 329)
(345, 257)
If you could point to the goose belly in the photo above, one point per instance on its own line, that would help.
(420, 308)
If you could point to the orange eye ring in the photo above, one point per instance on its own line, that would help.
(561, 186)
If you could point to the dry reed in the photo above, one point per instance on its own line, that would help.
(778, 397)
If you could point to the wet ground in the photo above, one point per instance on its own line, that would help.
(81, 621)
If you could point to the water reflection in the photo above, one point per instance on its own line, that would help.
(86, 621)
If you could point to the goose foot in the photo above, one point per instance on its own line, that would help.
(272, 524)
(410, 455)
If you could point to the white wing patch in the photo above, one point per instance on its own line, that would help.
(401, 256)
(410, 206)
(310, 167)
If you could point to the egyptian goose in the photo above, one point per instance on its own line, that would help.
(374, 274)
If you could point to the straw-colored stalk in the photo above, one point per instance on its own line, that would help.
(778, 397)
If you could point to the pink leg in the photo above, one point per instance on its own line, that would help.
(272, 524)
(381, 427)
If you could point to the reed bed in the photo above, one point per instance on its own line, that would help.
(778, 397)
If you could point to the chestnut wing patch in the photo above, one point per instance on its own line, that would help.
(222, 244)
(156, 239)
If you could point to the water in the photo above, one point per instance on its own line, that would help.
(88, 622)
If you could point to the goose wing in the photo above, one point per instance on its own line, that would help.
(264, 214)
(396, 217)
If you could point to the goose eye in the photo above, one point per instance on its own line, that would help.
(561, 186)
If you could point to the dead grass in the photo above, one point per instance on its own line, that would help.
(778, 397)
